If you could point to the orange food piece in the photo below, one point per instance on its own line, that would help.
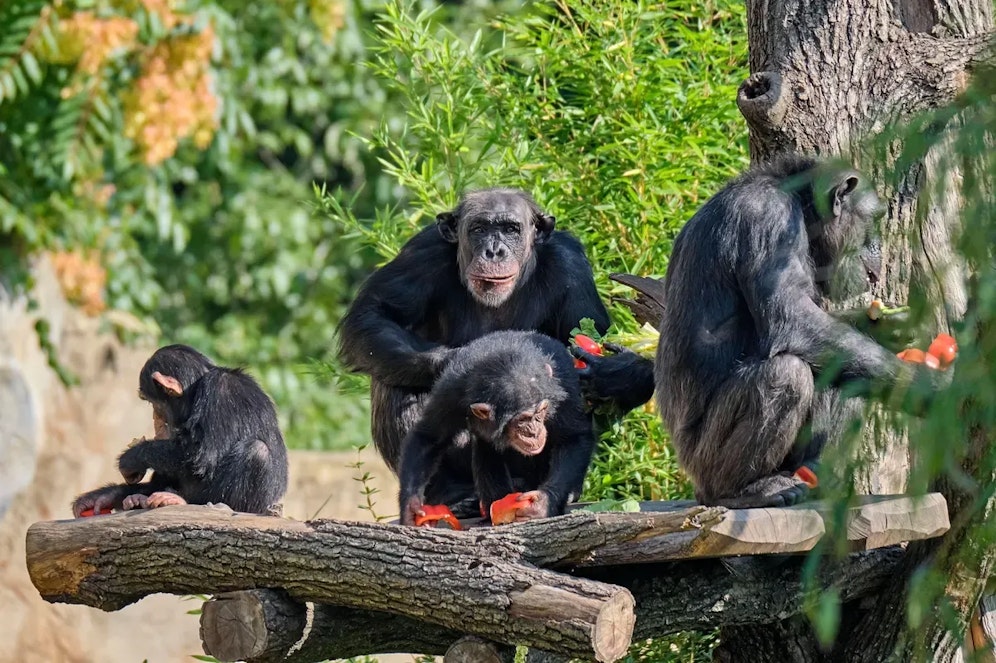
(503, 510)
(87, 513)
(434, 513)
(945, 348)
(807, 476)
(588, 344)
(913, 355)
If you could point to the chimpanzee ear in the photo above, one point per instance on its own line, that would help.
(482, 411)
(843, 187)
(545, 223)
(169, 383)
(549, 370)
(447, 224)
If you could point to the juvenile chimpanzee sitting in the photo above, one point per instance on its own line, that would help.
(493, 263)
(510, 404)
(748, 357)
(217, 440)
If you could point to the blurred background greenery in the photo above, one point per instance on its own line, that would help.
(225, 174)
(165, 152)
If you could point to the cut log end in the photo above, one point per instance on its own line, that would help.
(613, 630)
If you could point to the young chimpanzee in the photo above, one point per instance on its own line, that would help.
(217, 440)
(493, 263)
(748, 356)
(512, 401)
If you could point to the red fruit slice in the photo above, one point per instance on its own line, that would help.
(588, 344)
(88, 513)
(435, 513)
(503, 510)
(807, 476)
(945, 348)
(913, 355)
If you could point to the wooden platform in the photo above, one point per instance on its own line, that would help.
(499, 583)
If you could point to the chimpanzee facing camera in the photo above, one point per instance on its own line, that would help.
(217, 440)
(511, 402)
(495, 262)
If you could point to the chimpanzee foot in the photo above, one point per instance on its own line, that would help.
(773, 491)
(163, 498)
(520, 507)
(275, 510)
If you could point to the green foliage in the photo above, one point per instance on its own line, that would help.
(617, 117)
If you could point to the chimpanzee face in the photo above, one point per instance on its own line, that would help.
(846, 252)
(523, 431)
(495, 231)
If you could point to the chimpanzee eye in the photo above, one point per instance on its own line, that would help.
(510, 228)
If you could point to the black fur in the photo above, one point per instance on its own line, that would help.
(513, 372)
(223, 446)
(413, 311)
(748, 355)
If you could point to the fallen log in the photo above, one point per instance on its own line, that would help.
(681, 596)
(481, 582)
(441, 577)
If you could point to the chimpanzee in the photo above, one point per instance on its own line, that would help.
(217, 440)
(493, 263)
(747, 356)
(510, 403)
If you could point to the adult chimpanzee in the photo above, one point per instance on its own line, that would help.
(516, 398)
(493, 263)
(747, 356)
(217, 440)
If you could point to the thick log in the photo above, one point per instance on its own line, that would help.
(682, 596)
(452, 579)
(266, 626)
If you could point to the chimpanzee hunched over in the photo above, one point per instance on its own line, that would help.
(750, 366)
(493, 263)
(217, 440)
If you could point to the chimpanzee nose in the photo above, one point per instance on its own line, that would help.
(495, 252)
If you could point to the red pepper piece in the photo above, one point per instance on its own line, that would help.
(945, 348)
(434, 513)
(807, 476)
(88, 513)
(589, 345)
(503, 510)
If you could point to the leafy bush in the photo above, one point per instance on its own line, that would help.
(619, 119)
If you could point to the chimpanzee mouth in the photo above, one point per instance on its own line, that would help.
(494, 280)
(530, 446)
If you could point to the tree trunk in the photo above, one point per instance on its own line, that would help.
(825, 76)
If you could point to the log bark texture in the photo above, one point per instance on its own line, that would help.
(683, 596)
(825, 76)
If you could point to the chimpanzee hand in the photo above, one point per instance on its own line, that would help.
(411, 510)
(439, 358)
(623, 378)
(135, 501)
(520, 507)
(101, 499)
(132, 463)
(164, 498)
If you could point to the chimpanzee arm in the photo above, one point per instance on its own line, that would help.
(163, 456)
(492, 480)
(111, 496)
(569, 460)
(623, 377)
(421, 452)
(376, 337)
(777, 285)
(580, 300)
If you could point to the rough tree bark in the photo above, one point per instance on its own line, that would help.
(825, 76)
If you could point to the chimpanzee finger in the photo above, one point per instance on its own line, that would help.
(586, 357)
(615, 347)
